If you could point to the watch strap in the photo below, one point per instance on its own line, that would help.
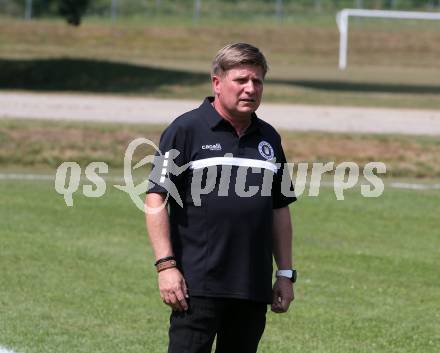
(291, 274)
(284, 273)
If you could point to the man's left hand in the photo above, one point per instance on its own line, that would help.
(282, 295)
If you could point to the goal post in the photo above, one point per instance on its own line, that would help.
(342, 21)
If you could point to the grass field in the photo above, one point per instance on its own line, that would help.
(81, 279)
(390, 64)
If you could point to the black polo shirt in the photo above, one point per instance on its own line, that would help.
(221, 227)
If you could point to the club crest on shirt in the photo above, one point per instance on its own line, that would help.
(266, 150)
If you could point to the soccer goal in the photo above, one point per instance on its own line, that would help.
(342, 21)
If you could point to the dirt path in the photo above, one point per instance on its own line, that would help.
(149, 110)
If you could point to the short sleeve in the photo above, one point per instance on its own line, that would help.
(169, 162)
(282, 188)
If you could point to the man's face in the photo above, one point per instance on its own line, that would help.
(238, 91)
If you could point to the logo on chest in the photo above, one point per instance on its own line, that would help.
(215, 147)
(266, 150)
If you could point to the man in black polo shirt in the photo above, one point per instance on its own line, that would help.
(220, 170)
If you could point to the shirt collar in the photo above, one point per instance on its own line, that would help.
(213, 118)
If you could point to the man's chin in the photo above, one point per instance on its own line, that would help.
(248, 108)
(245, 112)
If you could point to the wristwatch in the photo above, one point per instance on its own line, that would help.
(290, 274)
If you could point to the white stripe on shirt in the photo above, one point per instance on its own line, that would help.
(239, 162)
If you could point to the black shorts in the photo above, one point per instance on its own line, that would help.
(238, 325)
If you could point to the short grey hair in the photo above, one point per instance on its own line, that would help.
(233, 55)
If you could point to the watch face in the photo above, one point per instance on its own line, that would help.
(293, 279)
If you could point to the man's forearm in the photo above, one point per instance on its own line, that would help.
(158, 226)
(282, 238)
(172, 285)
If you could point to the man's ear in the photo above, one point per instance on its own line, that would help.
(216, 84)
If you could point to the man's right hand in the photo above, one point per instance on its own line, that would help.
(173, 290)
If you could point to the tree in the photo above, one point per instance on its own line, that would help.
(73, 10)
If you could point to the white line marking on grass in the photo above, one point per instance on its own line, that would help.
(15, 176)
(414, 186)
(394, 185)
(48, 177)
(4, 350)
